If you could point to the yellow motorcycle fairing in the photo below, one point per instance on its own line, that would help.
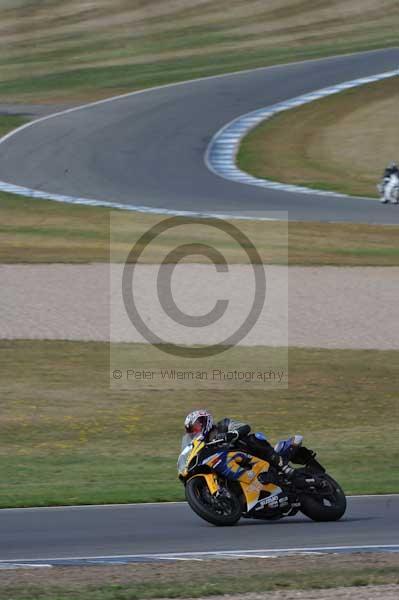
(230, 465)
(188, 454)
(210, 478)
(211, 481)
(248, 478)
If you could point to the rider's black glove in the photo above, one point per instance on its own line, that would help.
(229, 437)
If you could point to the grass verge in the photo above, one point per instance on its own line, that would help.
(10, 122)
(340, 143)
(41, 231)
(201, 579)
(67, 438)
(54, 52)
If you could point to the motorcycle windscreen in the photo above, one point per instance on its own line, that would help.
(186, 447)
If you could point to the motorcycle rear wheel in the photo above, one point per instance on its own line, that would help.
(221, 511)
(330, 508)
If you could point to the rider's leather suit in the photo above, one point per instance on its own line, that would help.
(257, 443)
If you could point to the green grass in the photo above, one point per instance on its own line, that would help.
(208, 578)
(66, 437)
(52, 54)
(97, 81)
(10, 122)
(340, 143)
(229, 585)
(41, 231)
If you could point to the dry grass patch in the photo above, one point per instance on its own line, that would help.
(40, 231)
(58, 51)
(174, 579)
(341, 143)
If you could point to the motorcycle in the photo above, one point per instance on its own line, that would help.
(389, 189)
(224, 483)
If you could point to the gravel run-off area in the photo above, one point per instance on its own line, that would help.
(326, 307)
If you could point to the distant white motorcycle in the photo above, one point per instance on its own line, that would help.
(389, 189)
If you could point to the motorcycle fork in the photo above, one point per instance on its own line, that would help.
(211, 482)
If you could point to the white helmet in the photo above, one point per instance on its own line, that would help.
(199, 421)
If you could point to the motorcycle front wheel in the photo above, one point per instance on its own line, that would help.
(224, 509)
(328, 505)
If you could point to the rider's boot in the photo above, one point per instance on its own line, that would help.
(269, 476)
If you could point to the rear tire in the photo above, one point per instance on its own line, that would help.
(319, 510)
(226, 511)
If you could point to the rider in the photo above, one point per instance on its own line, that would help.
(391, 169)
(229, 430)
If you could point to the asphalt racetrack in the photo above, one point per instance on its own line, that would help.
(148, 149)
(127, 530)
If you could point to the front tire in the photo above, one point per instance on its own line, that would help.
(225, 510)
(330, 507)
